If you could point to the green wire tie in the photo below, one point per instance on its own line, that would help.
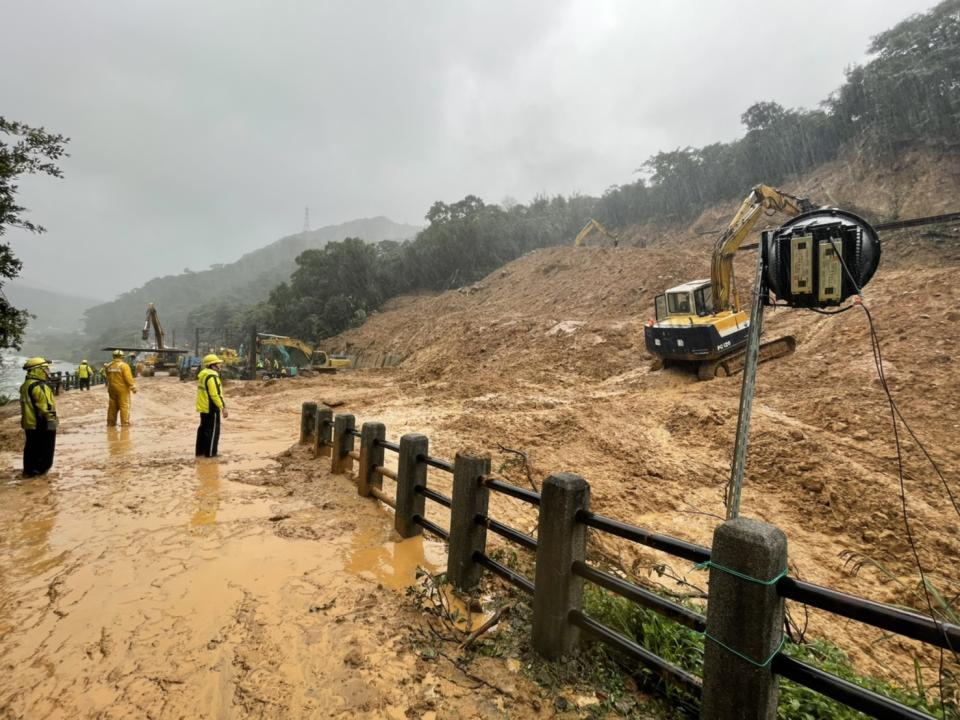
(730, 571)
(772, 581)
(765, 663)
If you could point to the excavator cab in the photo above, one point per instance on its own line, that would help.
(679, 303)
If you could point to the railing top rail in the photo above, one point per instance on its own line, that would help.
(512, 490)
(674, 546)
(387, 445)
(886, 617)
(353, 431)
(444, 465)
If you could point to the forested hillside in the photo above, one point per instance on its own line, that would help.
(907, 97)
(217, 293)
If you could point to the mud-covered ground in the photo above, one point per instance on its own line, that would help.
(138, 581)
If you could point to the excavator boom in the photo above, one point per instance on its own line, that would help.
(762, 199)
(592, 226)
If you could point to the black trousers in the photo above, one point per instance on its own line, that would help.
(208, 434)
(84, 383)
(38, 451)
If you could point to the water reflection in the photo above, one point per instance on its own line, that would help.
(394, 564)
(118, 441)
(208, 493)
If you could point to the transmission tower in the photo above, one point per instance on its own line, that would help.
(306, 219)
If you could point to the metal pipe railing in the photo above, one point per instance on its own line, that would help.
(507, 532)
(680, 548)
(438, 498)
(641, 596)
(512, 490)
(665, 669)
(514, 578)
(432, 527)
(885, 617)
(854, 696)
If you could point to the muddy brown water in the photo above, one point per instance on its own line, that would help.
(139, 581)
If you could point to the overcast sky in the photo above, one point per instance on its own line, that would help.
(200, 130)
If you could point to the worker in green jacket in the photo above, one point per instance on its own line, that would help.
(38, 418)
(84, 375)
(210, 405)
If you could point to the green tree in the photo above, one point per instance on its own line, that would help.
(23, 151)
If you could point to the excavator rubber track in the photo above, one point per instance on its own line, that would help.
(733, 364)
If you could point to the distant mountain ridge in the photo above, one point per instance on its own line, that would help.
(54, 312)
(243, 282)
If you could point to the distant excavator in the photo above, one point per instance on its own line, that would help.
(313, 360)
(591, 227)
(701, 321)
(164, 359)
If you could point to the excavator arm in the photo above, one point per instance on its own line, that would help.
(281, 342)
(154, 320)
(591, 226)
(763, 199)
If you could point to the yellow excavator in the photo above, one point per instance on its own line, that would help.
(701, 321)
(593, 226)
(164, 359)
(314, 360)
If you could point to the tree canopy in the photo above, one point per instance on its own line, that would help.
(24, 150)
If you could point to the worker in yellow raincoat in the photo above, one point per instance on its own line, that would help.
(119, 386)
(38, 418)
(210, 405)
(84, 375)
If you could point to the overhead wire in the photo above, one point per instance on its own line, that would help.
(894, 415)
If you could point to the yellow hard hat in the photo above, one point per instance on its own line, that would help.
(118, 353)
(83, 362)
(211, 359)
(35, 362)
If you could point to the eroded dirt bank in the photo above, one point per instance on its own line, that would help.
(137, 581)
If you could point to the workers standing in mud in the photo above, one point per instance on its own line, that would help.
(210, 405)
(38, 418)
(84, 375)
(119, 386)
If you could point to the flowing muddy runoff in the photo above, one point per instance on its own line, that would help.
(139, 581)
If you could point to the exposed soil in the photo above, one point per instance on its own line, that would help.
(136, 581)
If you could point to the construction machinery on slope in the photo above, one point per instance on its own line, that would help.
(701, 321)
(303, 357)
(162, 359)
(591, 227)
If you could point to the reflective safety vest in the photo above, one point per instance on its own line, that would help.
(37, 405)
(84, 371)
(209, 391)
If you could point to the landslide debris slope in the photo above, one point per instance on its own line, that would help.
(546, 356)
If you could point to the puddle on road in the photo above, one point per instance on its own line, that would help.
(134, 570)
(392, 564)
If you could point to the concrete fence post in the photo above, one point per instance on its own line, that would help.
(322, 439)
(744, 621)
(308, 421)
(470, 498)
(371, 455)
(560, 541)
(340, 462)
(411, 472)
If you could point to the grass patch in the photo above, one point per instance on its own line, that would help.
(684, 648)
